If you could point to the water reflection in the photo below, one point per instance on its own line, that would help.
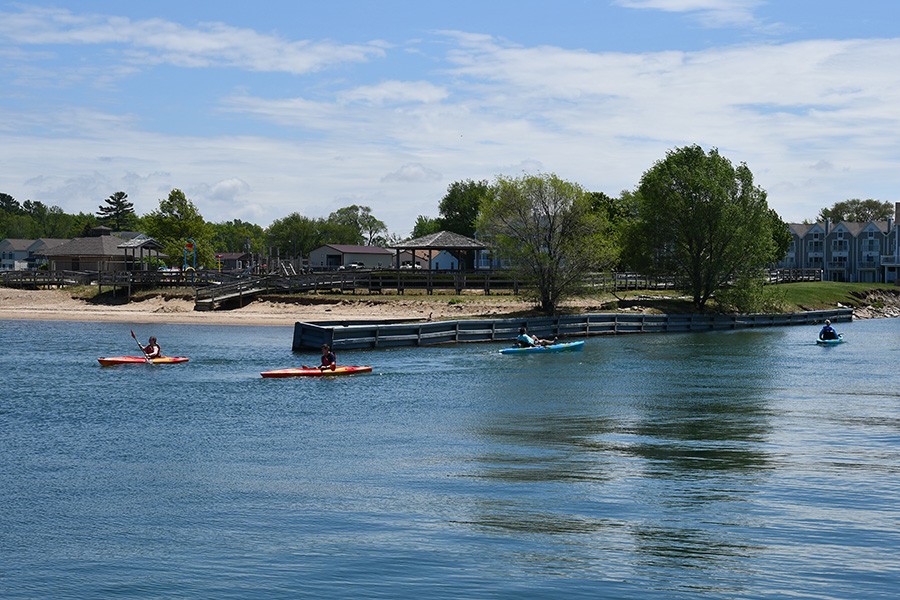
(650, 467)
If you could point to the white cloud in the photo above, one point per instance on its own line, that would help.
(225, 191)
(395, 92)
(412, 173)
(711, 13)
(161, 41)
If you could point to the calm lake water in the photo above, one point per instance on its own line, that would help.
(744, 464)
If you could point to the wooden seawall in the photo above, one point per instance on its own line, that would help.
(359, 334)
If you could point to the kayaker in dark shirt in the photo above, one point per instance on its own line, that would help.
(828, 332)
(329, 360)
(152, 350)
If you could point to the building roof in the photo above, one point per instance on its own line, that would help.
(442, 240)
(140, 241)
(348, 249)
(104, 245)
(853, 227)
(16, 244)
(44, 243)
(800, 229)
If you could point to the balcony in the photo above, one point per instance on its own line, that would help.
(836, 266)
(867, 265)
(890, 260)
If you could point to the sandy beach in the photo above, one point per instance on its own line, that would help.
(60, 305)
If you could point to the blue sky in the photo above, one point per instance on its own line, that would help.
(257, 110)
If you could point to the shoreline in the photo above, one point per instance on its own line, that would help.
(58, 305)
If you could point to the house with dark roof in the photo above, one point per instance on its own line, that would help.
(38, 246)
(333, 256)
(100, 253)
(14, 254)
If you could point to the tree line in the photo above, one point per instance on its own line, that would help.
(177, 219)
(693, 215)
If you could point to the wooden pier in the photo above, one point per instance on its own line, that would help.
(345, 335)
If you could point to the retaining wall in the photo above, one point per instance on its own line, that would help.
(368, 334)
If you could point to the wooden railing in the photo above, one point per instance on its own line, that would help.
(212, 288)
(38, 279)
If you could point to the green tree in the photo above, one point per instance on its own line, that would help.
(9, 204)
(460, 206)
(19, 226)
(118, 213)
(174, 222)
(232, 236)
(705, 221)
(425, 226)
(858, 211)
(57, 224)
(548, 231)
(359, 219)
(296, 234)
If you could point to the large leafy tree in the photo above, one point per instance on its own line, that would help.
(117, 212)
(548, 231)
(460, 206)
(232, 236)
(706, 222)
(426, 226)
(856, 210)
(296, 234)
(369, 230)
(174, 222)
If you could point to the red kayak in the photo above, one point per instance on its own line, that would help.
(316, 372)
(130, 360)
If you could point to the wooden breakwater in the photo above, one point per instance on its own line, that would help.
(383, 334)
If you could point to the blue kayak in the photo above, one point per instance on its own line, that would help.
(560, 347)
(838, 340)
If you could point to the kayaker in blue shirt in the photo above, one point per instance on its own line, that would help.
(828, 332)
(527, 341)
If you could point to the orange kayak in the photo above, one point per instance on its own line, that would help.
(130, 360)
(316, 372)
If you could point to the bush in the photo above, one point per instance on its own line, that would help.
(749, 294)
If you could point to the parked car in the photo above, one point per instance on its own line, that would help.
(356, 266)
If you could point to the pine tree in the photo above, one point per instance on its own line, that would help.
(118, 213)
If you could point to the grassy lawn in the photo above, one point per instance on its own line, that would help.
(818, 295)
(794, 297)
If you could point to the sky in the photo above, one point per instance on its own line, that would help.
(257, 110)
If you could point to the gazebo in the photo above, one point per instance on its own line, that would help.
(453, 243)
(140, 244)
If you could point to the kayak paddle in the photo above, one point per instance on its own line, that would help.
(147, 358)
